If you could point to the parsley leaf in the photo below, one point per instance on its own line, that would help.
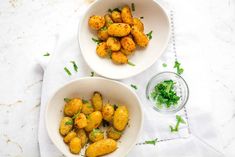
(92, 74)
(97, 41)
(141, 17)
(85, 101)
(130, 63)
(164, 65)
(133, 6)
(179, 120)
(149, 35)
(179, 69)
(67, 100)
(134, 86)
(153, 142)
(76, 115)
(46, 54)
(75, 67)
(67, 71)
(69, 123)
(103, 28)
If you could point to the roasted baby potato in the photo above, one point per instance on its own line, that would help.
(137, 22)
(96, 135)
(101, 147)
(87, 108)
(69, 136)
(103, 33)
(96, 22)
(75, 145)
(126, 15)
(72, 107)
(116, 16)
(82, 135)
(97, 101)
(113, 44)
(125, 52)
(102, 50)
(113, 133)
(120, 118)
(108, 20)
(119, 58)
(93, 121)
(80, 121)
(128, 44)
(107, 112)
(119, 29)
(140, 38)
(66, 125)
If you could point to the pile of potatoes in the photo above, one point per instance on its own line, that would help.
(119, 33)
(82, 122)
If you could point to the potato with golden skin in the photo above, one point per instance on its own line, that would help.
(75, 145)
(119, 58)
(96, 22)
(125, 52)
(137, 22)
(128, 44)
(82, 135)
(113, 133)
(127, 15)
(108, 112)
(116, 16)
(87, 108)
(80, 121)
(97, 101)
(103, 33)
(140, 38)
(102, 50)
(93, 121)
(72, 107)
(96, 135)
(119, 29)
(101, 147)
(69, 136)
(66, 125)
(113, 44)
(120, 118)
(108, 20)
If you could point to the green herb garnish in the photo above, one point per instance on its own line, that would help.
(67, 100)
(179, 120)
(85, 101)
(67, 71)
(76, 115)
(130, 63)
(132, 6)
(75, 67)
(141, 17)
(97, 41)
(164, 94)
(164, 65)
(149, 35)
(69, 122)
(178, 68)
(92, 74)
(103, 28)
(134, 86)
(46, 54)
(153, 142)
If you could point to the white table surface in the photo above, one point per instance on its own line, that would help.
(28, 28)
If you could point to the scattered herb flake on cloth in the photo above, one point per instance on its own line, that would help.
(130, 63)
(133, 6)
(164, 65)
(46, 54)
(75, 67)
(179, 69)
(67, 71)
(134, 86)
(179, 120)
(153, 142)
(92, 74)
(149, 35)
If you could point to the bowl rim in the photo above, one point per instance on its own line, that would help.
(177, 109)
(95, 78)
(148, 64)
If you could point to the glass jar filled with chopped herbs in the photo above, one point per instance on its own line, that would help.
(168, 92)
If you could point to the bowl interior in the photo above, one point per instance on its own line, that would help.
(155, 19)
(112, 91)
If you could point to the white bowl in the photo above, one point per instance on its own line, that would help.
(155, 18)
(113, 91)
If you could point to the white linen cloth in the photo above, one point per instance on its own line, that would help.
(198, 138)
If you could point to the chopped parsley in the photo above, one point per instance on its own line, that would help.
(69, 122)
(67, 71)
(141, 17)
(164, 94)
(130, 63)
(149, 35)
(164, 65)
(179, 69)
(133, 6)
(179, 120)
(76, 115)
(92, 74)
(153, 142)
(134, 86)
(67, 100)
(97, 41)
(75, 67)
(103, 28)
(85, 101)
(46, 54)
